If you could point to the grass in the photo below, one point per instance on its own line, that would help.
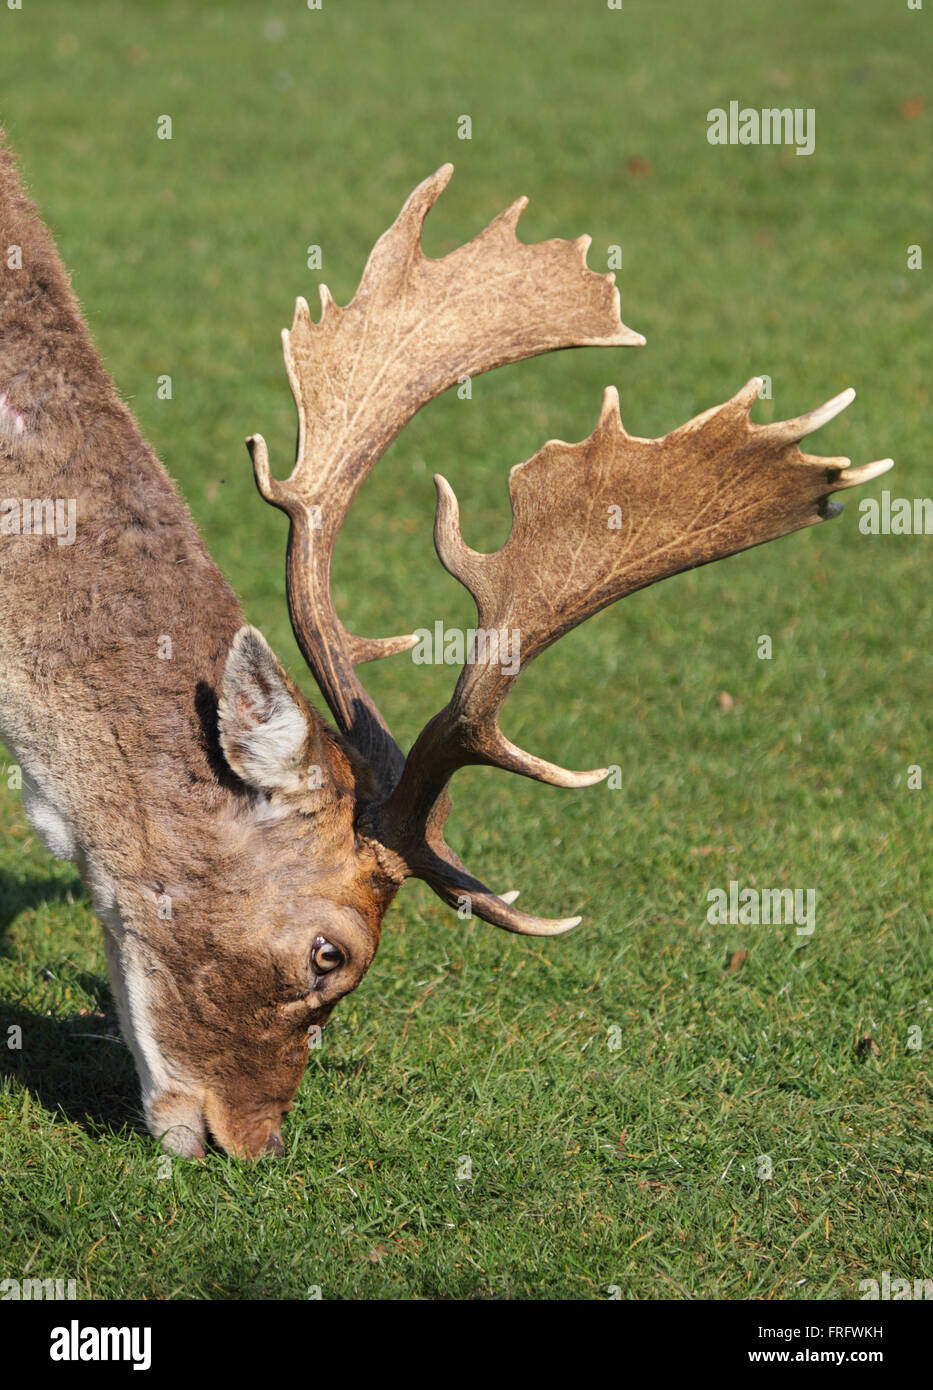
(615, 1092)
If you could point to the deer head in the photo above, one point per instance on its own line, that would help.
(311, 831)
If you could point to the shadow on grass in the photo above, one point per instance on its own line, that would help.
(20, 894)
(76, 1066)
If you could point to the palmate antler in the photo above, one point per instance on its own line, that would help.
(592, 521)
(414, 327)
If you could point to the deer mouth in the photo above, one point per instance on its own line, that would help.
(186, 1124)
(244, 1131)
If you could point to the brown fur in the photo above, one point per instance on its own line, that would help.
(127, 743)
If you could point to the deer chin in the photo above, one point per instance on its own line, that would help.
(176, 1119)
(183, 1123)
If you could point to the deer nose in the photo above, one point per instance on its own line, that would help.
(275, 1146)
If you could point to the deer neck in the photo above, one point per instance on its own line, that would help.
(114, 620)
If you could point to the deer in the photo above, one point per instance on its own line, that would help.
(240, 851)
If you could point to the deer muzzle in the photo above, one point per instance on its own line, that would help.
(185, 1123)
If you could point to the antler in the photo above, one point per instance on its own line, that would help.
(593, 522)
(414, 327)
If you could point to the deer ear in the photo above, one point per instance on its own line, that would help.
(266, 726)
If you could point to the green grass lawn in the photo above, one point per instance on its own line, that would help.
(618, 1094)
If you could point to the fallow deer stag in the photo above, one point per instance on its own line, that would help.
(238, 851)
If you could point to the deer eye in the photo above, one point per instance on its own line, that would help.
(325, 956)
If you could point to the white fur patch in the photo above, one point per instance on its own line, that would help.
(271, 750)
(132, 983)
(48, 820)
(11, 419)
(263, 729)
(132, 992)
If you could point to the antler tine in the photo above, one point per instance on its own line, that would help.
(414, 327)
(792, 431)
(455, 885)
(591, 523)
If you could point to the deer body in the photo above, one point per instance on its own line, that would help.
(239, 852)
